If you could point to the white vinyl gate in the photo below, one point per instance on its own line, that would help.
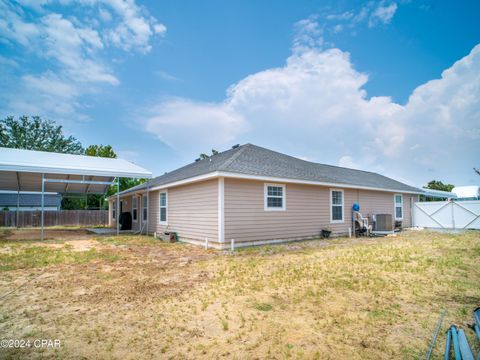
(447, 214)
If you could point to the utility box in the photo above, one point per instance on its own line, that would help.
(383, 222)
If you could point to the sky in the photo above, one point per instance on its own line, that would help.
(386, 86)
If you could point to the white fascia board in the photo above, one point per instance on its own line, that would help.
(74, 171)
(308, 182)
(212, 175)
(231, 175)
(194, 179)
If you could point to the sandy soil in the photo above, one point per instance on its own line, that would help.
(49, 234)
(362, 299)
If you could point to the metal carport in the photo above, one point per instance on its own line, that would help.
(28, 170)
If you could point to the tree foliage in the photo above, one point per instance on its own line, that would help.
(206, 156)
(36, 133)
(438, 185)
(101, 151)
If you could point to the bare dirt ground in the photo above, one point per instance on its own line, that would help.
(49, 234)
(133, 297)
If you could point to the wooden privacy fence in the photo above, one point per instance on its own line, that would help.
(54, 218)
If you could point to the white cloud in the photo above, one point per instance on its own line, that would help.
(372, 13)
(316, 105)
(46, 95)
(188, 126)
(166, 76)
(71, 47)
(347, 161)
(135, 30)
(104, 14)
(307, 34)
(382, 14)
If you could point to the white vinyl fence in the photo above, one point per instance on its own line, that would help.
(447, 214)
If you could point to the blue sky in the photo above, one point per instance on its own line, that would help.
(386, 86)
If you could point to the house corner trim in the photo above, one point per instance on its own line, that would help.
(221, 209)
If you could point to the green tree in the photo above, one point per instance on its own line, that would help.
(100, 150)
(206, 156)
(438, 185)
(36, 133)
(96, 201)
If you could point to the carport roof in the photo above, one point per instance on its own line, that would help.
(22, 170)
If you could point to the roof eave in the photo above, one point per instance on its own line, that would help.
(226, 174)
(68, 171)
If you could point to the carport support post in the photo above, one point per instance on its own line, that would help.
(118, 206)
(18, 208)
(43, 202)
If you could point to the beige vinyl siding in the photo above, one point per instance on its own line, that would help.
(127, 207)
(192, 211)
(307, 211)
(377, 202)
(135, 225)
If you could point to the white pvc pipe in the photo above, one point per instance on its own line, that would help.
(232, 245)
(206, 243)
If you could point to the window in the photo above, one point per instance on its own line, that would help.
(398, 206)
(336, 206)
(145, 208)
(163, 208)
(134, 208)
(114, 208)
(274, 197)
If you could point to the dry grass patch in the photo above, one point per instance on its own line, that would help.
(343, 298)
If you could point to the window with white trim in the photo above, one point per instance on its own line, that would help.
(145, 208)
(336, 206)
(398, 206)
(274, 197)
(135, 208)
(163, 203)
(114, 209)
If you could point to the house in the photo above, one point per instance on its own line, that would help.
(258, 196)
(29, 201)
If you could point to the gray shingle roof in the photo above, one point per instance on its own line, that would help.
(250, 159)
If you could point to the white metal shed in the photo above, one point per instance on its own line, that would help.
(28, 170)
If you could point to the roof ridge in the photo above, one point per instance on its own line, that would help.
(232, 158)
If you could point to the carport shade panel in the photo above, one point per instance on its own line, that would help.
(67, 184)
(21, 170)
(19, 160)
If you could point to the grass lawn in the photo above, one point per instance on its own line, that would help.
(133, 297)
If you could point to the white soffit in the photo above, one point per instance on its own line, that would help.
(21, 170)
(55, 163)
